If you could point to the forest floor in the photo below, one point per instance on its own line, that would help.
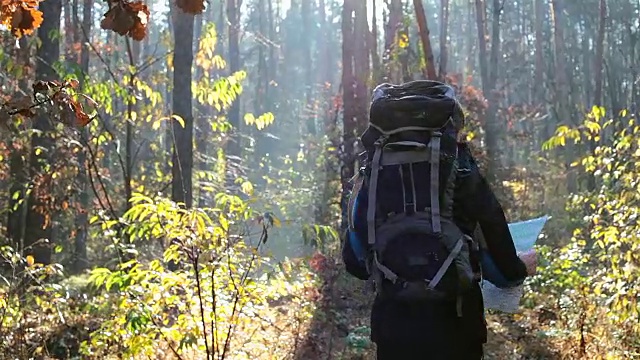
(337, 332)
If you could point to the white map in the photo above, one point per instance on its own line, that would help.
(524, 234)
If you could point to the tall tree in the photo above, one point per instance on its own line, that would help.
(306, 16)
(80, 261)
(597, 67)
(233, 21)
(204, 113)
(539, 55)
(540, 12)
(393, 31)
(349, 103)
(393, 25)
(18, 169)
(562, 87)
(373, 45)
(38, 231)
(361, 57)
(182, 159)
(489, 76)
(444, 27)
(599, 58)
(430, 67)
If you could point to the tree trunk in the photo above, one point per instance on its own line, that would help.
(394, 24)
(493, 126)
(470, 63)
(489, 75)
(444, 26)
(562, 102)
(38, 230)
(68, 33)
(481, 24)
(392, 30)
(80, 261)
(305, 10)
(182, 157)
(233, 19)
(325, 78)
(597, 68)
(375, 56)
(349, 105)
(168, 130)
(362, 70)
(430, 71)
(599, 59)
(539, 56)
(204, 113)
(325, 71)
(18, 201)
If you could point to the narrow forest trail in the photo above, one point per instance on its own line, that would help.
(344, 312)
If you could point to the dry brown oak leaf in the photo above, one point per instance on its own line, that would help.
(127, 18)
(191, 6)
(21, 17)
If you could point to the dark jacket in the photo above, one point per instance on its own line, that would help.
(475, 205)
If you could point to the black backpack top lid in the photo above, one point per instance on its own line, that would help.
(416, 105)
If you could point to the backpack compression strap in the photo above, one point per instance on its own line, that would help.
(434, 144)
(355, 191)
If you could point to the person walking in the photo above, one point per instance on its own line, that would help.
(412, 213)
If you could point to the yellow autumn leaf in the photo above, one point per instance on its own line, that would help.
(403, 41)
(30, 260)
(179, 119)
(249, 119)
(247, 188)
(276, 222)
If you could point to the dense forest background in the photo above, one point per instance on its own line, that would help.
(172, 173)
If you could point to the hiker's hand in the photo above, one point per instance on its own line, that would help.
(530, 260)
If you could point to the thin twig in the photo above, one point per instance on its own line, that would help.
(152, 62)
(102, 60)
(196, 269)
(92, 158)
(214, 318)
(17, 110)
(113, 136)
(245, 275)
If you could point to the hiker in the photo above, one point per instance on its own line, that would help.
(412, 213)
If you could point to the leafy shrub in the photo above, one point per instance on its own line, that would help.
(226, 299)
(593, 280)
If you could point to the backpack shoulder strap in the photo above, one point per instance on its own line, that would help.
(446, 210)
(373, 190)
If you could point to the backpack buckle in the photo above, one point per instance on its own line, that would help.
(381, 140)
(410, 208)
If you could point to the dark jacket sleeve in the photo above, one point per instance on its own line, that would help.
(477, 203)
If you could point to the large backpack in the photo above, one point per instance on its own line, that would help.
(415, 252)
